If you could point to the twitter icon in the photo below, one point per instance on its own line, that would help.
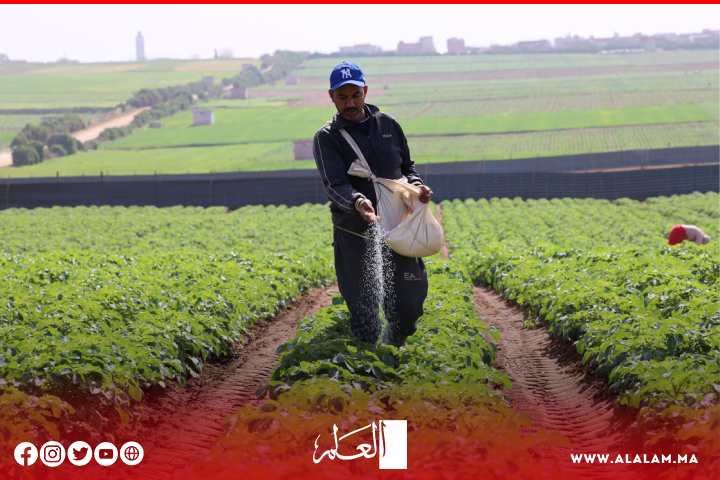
(79, 453)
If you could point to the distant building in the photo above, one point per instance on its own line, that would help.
(292, 80)
(156, 125)
(203, 117)
(456, 45)
(409, 47)
(209, 81)
(140, 47)
(303, 149)
(240, 93)
(425, 45)
(246, 67)
(364, 48)
(533, 45)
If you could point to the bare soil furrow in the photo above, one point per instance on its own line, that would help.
(181, 424)
(551, 385)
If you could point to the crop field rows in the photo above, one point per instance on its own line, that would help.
(563, 142)
(593, 101)
(277, 124)
(542, 87)
(594, 287)
(126, 302)
(130, 298)
(279, 155)
(477, 63)
(564, 113)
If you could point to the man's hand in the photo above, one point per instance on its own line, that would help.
(367, 212)
(426, 194)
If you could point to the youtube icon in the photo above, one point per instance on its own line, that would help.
(106, 454)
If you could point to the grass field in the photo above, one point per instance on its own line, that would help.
(537, 87)
(391, 65)
(230, 158)
(101, 85)
(19, 121)
(549, 103)
(6, 137)
(279, 155)
(562, 104)
(231, 126)
(559, 120)
(276, 124)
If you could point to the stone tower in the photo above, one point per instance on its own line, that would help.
(140, 47)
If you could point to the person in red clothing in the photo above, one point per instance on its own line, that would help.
(680, 233)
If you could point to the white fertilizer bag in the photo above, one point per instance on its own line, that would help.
(411, 229)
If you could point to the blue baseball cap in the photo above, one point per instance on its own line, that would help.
(346, 72)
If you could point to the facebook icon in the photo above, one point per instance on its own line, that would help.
(26, 454)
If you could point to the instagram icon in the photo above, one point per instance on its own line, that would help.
(52, 454)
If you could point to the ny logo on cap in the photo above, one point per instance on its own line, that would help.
(346, 73)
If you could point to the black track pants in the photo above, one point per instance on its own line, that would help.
(405, 286)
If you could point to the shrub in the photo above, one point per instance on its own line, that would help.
(64, 139)
(39, 148)
(25, 155)
(58, 150)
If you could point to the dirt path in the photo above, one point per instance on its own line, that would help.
(179, 426)
(550, 383)
(90, 133)
(5, 158)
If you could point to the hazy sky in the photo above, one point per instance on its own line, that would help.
(107, 33)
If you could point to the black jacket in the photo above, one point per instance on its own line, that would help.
(386, 150)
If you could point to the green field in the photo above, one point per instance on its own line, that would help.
(447, 115)
(444, 91)
(559, 120)
(6, 136)
(279, 155)
(275, 124)
(229, 158)
(444, 64)
(19, 121)
(123, 303)
(100, 85)
(548, 103)
(237, 125)
(643, 314)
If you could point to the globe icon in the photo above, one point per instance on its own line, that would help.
(132, 453)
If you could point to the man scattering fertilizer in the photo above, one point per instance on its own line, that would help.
(680, 233)
(368, 272)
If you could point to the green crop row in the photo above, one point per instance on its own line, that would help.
(440, 381)
(641, 313)
(101, 302)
